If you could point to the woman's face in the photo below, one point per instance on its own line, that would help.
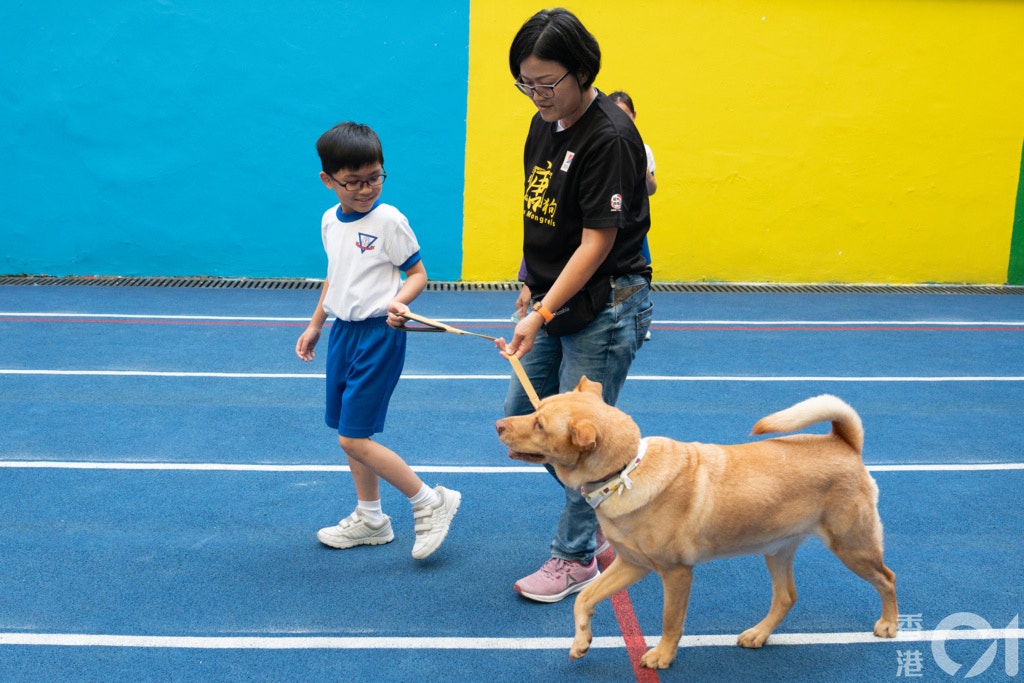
(567, 101)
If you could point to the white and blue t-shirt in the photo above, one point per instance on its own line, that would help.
(366, 254)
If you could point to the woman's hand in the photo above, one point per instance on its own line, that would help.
(523, 302)
(523, 337)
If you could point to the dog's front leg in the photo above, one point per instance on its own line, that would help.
(676, 583)
(780, 567)
(619, 575)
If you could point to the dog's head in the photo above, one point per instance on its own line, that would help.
(583, 438)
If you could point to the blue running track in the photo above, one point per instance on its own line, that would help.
(164, 468)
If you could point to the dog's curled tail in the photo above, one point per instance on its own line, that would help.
(846, 423)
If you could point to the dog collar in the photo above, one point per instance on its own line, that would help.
(605, 489)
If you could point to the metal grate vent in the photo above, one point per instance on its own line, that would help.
(683, 287)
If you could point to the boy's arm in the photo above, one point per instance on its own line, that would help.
(308, 339)
(415, 283)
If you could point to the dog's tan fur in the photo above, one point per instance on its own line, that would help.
(695, 502)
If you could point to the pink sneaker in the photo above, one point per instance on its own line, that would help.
(602, 542)
(556, 579)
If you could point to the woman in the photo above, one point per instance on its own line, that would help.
(585, 303)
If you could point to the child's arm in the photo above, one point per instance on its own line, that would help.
(307, 341)
(415, 282)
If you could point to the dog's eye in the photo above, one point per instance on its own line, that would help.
(538, 426)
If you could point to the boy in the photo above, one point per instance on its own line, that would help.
(368, 243)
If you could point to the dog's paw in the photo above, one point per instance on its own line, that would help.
(658, 658)
(885, 629)
(580, 647)
(752, 638)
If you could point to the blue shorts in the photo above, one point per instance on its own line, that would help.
(364, 361)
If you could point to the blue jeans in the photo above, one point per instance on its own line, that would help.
(603, 351)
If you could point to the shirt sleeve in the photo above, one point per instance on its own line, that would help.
(403, 248)
(609, 181)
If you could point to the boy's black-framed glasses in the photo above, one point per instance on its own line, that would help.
(356, 185)
(544, 92)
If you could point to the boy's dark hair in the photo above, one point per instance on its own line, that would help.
(350, 146)
(556, 35)
(621, 96)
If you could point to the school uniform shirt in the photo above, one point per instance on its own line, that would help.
(366, 254)
(591, 175)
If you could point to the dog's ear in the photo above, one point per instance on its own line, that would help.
(583, 434)
(586, 385)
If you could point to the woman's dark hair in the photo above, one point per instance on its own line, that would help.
(556, 35)
(350, 146)
(621, 96)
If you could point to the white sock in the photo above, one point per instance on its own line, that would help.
(371, 511)
(425, 496)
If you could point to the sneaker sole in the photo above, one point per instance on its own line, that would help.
(426, 551)
(379, 540)
(576, 588)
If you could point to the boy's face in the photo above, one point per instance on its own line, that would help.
(366, 182)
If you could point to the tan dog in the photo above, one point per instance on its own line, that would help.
(676, 505)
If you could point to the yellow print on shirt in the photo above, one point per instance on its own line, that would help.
(538, 206)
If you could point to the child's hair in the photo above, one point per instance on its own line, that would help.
(556, 35)
(620, 96)
(350, 146)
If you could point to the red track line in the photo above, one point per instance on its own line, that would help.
(229, 323)
(636, 645)
(924, 327)
(137, 321)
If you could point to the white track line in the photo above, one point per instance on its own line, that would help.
(469, 643)
(637, 378)
(505, 321)
(444, 469)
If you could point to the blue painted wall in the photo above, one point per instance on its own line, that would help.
(177, 137)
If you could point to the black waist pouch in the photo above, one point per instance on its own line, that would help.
(581, 308)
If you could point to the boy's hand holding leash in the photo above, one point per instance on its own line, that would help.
(397, 313)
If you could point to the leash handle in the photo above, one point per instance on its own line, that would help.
(516, 365)
(442, 326)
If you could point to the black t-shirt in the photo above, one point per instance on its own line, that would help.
(591, 175)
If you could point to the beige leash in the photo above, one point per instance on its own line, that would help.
(516, 365)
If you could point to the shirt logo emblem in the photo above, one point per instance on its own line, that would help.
(616, 202)
(567, 162)
(365, 242)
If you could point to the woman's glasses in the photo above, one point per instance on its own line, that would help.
(544, 92)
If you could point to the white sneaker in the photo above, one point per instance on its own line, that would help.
(354, 530)
(432, 522)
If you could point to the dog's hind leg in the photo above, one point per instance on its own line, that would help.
(780, 567)
(620, 574)
(676, 582)
(868, 564)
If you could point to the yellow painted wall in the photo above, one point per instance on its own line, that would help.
(795, 140)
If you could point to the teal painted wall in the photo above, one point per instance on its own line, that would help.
(177, 137)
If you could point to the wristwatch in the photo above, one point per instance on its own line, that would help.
(544, 312)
